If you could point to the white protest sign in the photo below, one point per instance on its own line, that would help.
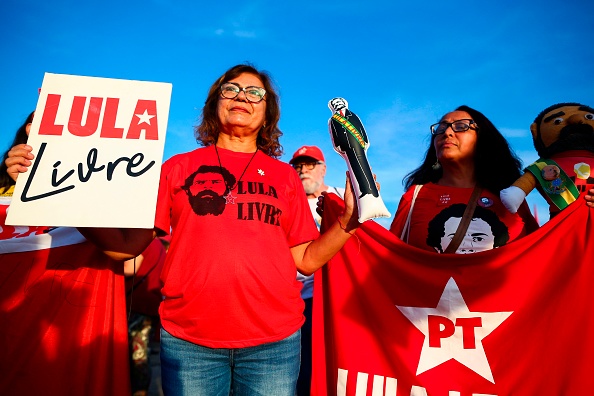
(98, 146)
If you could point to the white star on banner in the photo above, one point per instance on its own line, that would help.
(457, 332)
(144, 117)
(261, 172)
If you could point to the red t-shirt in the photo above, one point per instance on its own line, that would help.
(229, 277)
(492, 224)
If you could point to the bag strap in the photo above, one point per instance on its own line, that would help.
(406, 228)
(464, 222)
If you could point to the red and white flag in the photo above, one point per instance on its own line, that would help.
(390, 319)
(62, 313)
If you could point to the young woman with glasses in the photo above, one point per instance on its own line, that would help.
(466, 152)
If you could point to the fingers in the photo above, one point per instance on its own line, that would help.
(21, 150)
(590, 198)
(377, 185)
(320, 204)
(348, 186)
(350, 196)
(19, 160)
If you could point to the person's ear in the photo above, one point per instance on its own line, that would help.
(533, 130)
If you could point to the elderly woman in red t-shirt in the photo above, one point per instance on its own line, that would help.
(240, 223)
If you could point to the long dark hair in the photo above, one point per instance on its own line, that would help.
(207, 132)
(496, 166)
(20, 138)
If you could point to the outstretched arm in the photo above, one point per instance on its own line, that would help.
(513, 196)
(119, 243)
(310, 256)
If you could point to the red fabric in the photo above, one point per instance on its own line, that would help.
(539, 288)
(145, 287)
(229, 279)
(433, 198)
(63, 320)
(8, 231)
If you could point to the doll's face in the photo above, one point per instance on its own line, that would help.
(557, 119)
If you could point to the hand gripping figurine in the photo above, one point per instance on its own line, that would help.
(563, 136)
(351, 142)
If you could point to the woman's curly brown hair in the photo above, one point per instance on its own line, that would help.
(207, 132)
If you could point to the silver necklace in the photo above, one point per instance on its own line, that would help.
(229, 197)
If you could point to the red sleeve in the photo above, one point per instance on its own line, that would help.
(151, 257)
(164, 200)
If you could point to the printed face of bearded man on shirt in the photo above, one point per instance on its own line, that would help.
(206, 189)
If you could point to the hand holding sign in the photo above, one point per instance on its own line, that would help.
(97, 146)
(351, 142)
(18, 161)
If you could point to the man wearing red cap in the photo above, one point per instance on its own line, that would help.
(309, 163)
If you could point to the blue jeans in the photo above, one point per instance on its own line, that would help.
(269, 370)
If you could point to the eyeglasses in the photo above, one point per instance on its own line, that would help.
(306, 165)
(457, 126)
(230, 90)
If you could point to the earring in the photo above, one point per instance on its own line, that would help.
(436, 166)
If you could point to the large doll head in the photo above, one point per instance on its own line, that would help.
(563, 127)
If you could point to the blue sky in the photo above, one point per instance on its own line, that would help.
(401, 65)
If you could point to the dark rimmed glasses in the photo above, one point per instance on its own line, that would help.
(457, 126)
(306, 165)
(230, 90)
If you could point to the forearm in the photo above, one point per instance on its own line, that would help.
(119, 243)
(131, 266)
(321, 250)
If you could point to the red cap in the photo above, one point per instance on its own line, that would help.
(308, 151)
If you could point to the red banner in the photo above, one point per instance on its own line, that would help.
(62, 310)
(390, 319)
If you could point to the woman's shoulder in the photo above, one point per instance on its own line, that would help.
(279, 166)
(432, 189)
(186, 156)
(183, 159)
(422, 189)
